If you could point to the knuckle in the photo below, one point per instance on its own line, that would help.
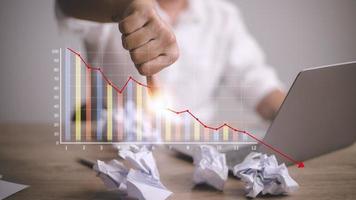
(135, 56)
(161, 27)
(171, 38)
(124, 27)
(141, 72)
(140, 13)
(173, 56)
(158, 27)
(176, 54)
(144, 70)
(165, 34)
(150, 13)
(125, 44)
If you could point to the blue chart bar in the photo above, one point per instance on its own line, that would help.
(67, 95)
(99, 106)
(130, 111)
(216, 136)
(187, 128)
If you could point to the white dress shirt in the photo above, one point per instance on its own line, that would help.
(217, 56)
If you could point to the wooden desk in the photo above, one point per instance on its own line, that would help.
(29, 155)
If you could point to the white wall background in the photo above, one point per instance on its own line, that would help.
(294, 34)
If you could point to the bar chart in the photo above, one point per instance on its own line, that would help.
(95, 110)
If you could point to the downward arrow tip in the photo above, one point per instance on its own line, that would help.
(301, 165)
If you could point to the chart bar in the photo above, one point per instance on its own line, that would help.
(88, 106)
(196, 131)
(129, 110)
(178, 132)
(225, 133)
(168, 128)
(139, 113)
(120, 117)
(186, 128)
(99, 106)
(216, 136)
(235, 136)
(109, 112)
(77, 98)
(67, 96)
(244, 137)
(206, 134)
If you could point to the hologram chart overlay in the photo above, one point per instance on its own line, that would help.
(120, 113)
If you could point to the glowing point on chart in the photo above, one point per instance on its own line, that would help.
(158, 102)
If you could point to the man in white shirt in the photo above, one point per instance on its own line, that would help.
(190, 46)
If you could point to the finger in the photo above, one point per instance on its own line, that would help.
(154, 66)
(157, 64)
(152, 84)
(138, 38)
(150, 80)
(146, 52)
(132, 23)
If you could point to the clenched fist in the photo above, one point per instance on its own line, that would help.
(150, 41)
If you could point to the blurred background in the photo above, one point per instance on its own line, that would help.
(293, 34)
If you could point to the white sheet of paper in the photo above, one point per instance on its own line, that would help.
(113, 174)
(141, 182)
(142, 159)
(262, 174)
(210, 167)
(7, 188)
(145, 187)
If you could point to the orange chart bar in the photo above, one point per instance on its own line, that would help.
(109, 112)
(178, 132)
(88, 106)
(206, 135)
(77, 98)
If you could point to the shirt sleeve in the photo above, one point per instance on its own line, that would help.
(246, 67)
(82, 28)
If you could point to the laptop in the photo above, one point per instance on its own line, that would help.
(317, 116)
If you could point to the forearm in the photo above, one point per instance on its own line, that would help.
(270, 104)
(95, 10)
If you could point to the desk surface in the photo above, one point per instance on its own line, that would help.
(29, 155)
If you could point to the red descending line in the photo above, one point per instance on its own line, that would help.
(107, 80)
(120, 91)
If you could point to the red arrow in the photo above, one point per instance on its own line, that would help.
(301, 165)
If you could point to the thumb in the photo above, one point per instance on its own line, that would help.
(152, 83)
